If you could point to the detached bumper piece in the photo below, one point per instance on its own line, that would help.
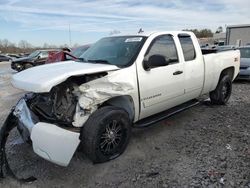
(53, 143)
(49, 141)
(9, 124)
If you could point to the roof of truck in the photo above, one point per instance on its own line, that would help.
(147, 34)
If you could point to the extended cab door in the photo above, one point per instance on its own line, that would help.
(193, 65)
(160, 86)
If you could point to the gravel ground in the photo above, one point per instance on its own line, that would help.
(205, 146)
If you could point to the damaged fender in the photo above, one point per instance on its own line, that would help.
(96, 92)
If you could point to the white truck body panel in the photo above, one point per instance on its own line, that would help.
(173, 90)
(151, 91)
(50, 142)
(214, 63)
(122, 82)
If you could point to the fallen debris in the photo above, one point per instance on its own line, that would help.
(152, 174)
(228, 146)
(5, 170)
(222, 180)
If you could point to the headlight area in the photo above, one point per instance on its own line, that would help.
(57, 107)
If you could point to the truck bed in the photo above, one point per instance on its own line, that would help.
(214, 50)
(217, 61)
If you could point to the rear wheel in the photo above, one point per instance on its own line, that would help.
(222, 92)
(27, 66)
(106, 134)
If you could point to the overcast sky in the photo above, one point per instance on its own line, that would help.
(40, 21)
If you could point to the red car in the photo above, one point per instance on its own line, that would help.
(65, 55)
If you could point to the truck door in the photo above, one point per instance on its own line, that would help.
(193, 66)
(162, 85)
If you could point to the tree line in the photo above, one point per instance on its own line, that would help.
(9, 47)
(203, 33)
(23, 46)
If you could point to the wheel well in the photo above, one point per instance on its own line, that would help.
(228, 71)
(28, 63)
(125, 102)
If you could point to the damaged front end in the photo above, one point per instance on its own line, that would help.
(52, 121)
(45, 120)
(48, 140)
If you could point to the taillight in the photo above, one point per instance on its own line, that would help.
(236, 59)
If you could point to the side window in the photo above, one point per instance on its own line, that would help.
(44, 54)
(187, 47)
(165, 46)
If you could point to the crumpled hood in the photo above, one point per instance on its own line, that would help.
(42, 78)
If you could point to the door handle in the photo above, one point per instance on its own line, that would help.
(177, 72)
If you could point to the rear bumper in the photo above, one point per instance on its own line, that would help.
(244, 74)
(49, 141)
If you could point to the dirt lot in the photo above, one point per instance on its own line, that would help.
(206, 146)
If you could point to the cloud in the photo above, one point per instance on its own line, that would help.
(124, 15)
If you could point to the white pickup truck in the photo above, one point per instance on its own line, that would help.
(118, 83)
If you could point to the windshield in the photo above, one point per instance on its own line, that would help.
(118, 51)
(34, 54)
(77, 52)
(245, 52)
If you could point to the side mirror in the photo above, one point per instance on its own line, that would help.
(155, 61)
(39, 57)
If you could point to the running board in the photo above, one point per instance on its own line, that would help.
(165, 114)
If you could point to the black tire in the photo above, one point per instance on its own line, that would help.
(222, 93)
(21, 67)
(27, 66)
(106, 134)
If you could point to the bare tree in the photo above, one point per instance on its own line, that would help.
(219, 29)
(203, 33)
(75, 45)
(45, 45)
(23, 44)
(114, 32)
(5, 43)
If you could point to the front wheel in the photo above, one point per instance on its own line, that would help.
(106, 134)
(222, 92)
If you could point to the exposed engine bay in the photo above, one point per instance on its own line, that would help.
(56, 106)
(59, 105)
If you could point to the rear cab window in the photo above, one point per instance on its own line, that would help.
(187, 47)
